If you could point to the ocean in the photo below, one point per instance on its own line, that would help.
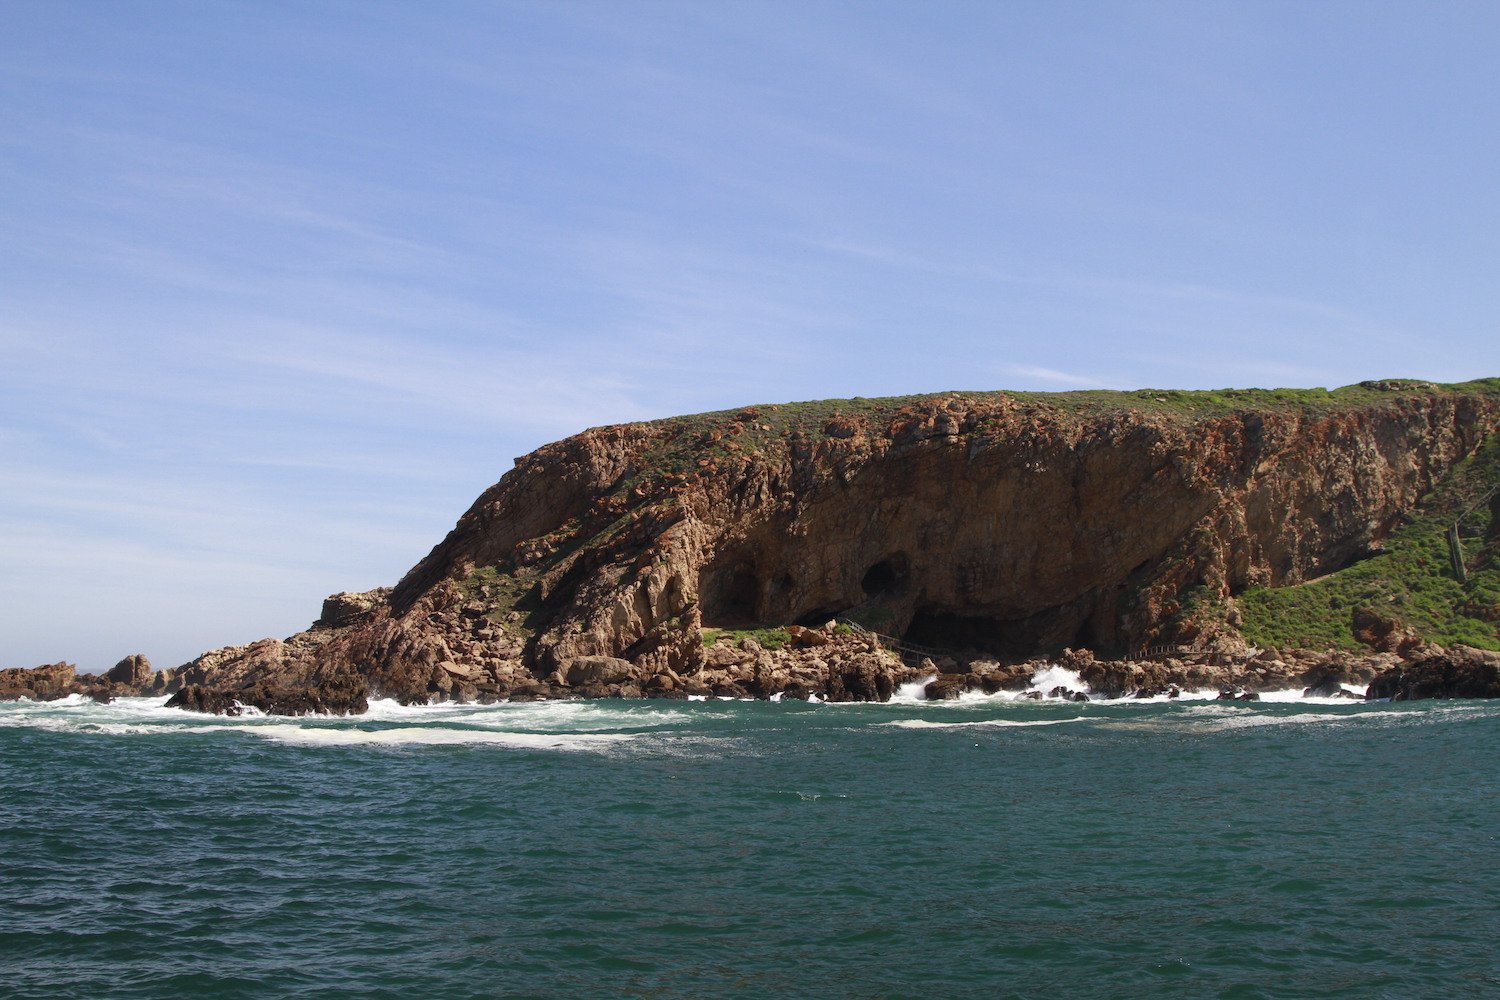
(989, 847)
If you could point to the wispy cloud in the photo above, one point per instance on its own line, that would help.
(1055, 377)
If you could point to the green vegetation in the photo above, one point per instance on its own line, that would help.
(710, 442)
(504, 589)
(1412, 581)
(876, 619)
(767, 638)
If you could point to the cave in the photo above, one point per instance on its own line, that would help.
(1002, 638)
(887, 577)
(1083, 623)
(731, 595)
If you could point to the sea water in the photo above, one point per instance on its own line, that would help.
(990, 847)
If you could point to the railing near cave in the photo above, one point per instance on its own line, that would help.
(1160, 652)
(1455, 536)
(905, 649)
(899, 646)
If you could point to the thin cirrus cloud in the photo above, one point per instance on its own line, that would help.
(1054, 377)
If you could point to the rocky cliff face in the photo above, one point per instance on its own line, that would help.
(1015, 525)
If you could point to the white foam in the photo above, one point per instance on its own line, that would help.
(912, 691)
(993, 723)
(326, 736)
(1053, 676)
(567, 716)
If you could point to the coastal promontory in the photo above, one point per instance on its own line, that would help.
(839, 548)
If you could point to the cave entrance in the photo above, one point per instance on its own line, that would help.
(1044, 633)
(731, 595)
(887, 577)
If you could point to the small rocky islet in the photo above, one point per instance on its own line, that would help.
(1153, 542)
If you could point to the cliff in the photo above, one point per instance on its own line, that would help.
(708, 554)
(1007, 525)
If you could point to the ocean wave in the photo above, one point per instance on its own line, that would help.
(338, 736)
(993, 723)
(563, 716)
(433, 725)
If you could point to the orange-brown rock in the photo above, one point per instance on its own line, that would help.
(983, 524)
(132, 676)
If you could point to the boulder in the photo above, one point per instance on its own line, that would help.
(1459, 672)
(1383, 633)
(946, 687)
(133, 672)
(347, 608)
(597, 670)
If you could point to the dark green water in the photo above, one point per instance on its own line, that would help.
(988, 849)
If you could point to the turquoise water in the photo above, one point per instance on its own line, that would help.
(990, 848)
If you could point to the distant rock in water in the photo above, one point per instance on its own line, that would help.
(829, 549)
(132, 676)
(133, 672)
(45, 683)
(345, 696)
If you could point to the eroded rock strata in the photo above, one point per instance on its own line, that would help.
(998, 529)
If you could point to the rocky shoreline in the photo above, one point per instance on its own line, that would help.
(755, 553)
(831, 663)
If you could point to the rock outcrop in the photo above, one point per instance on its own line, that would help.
(993, 525)
(132, 676)
(346, 696)
(1457, 672)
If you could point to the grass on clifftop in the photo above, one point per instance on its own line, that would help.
(1412, 581)
(706, 441)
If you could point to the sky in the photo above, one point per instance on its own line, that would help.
(285, 286)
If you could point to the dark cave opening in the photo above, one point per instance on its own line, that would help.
(731, 596)
(1044, 633)
(948, 630)
(886, 577)
(818, 617)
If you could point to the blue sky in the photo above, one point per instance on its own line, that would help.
(283, 287)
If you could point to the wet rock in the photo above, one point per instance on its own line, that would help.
(45, 683)
(1167, 690)
(795, 691)
(344, 696)
(1328, 688)
(947, 687)
(1459, 672)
